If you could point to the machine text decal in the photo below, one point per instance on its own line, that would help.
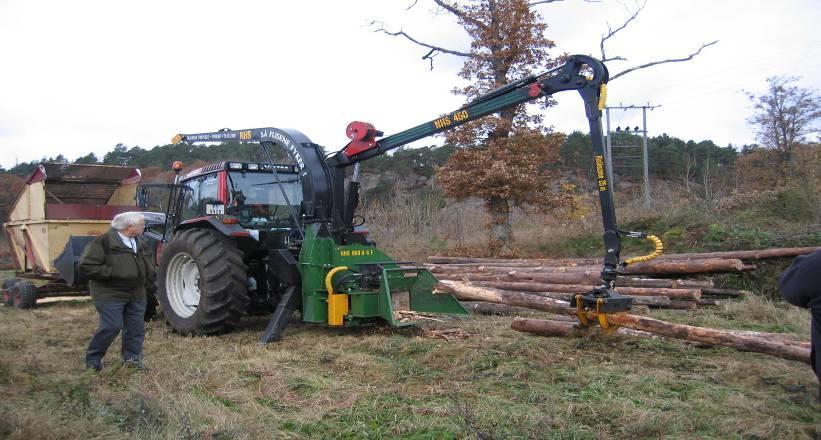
(446, 121)
(600, 173)
(356, 253)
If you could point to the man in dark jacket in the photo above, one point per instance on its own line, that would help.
(118, 274)
(801, 286)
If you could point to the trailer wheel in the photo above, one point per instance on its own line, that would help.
(202, 282)
(8, 293)
(25, 295)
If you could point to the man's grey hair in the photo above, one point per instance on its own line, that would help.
(124, 220)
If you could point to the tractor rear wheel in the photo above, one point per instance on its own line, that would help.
(202, 282)
(25, 295)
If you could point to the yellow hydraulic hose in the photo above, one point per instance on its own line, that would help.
(602, 96)
(658, 251)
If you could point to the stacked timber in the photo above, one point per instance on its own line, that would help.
(657, 283)
(768, 343)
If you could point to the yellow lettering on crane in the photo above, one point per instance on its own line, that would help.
(442, 122)
(600, 173)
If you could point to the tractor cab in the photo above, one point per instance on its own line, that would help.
(260, 197)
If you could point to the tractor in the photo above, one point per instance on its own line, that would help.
(269, 237)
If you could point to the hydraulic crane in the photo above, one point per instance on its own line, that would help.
(326, 211)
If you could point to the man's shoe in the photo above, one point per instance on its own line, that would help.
(94, 367)
(136, 364)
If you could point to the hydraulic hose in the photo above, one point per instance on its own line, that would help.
(658, 251)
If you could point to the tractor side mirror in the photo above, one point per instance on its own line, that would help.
(142, 197)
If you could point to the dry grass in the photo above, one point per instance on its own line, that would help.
(396, 383)
(390, 383)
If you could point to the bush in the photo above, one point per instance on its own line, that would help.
(794, 204)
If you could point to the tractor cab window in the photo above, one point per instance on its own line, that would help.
(257, 199)
(208, 192)
(190, 201)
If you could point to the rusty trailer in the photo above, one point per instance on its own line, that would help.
(59, 210)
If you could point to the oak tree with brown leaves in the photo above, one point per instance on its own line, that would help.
(501, 158)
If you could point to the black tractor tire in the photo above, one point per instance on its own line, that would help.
(8, 292)
(202, 283)
(25, 295)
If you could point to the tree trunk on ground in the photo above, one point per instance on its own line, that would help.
(740, 255)
(470, 277)
(687, 266)
(778, 348)
(648, 268)
(682, 294)
(439, 259)
(489, 308)
(557, 278)
(555, 327)
(653, 301)
(724, 292)
(745, 255)
(694, 284)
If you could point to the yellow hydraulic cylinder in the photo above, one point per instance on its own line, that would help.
(337, 302)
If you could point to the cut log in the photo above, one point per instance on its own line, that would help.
(647, 268)
(683, 305)
(467, 292)
(680, 331)
(745, 255)
(708, 302)
(712, 291)
(681, 294)
(645, 282)
(489, 308)
(471, 277)
(694, 284)
(686, 266)
(435, 259)
(555, 327)
(653, 301)
(711, 336)
(557, 278)
(545, 327)
(740, 255)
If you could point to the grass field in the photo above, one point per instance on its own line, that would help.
(387, 383)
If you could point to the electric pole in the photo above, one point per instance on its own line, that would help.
(610, 158)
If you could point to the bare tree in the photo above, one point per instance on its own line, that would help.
(783, 116)
(612, 33)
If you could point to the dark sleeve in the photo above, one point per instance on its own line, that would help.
(147, 254)
(92, 262)
(800, 284)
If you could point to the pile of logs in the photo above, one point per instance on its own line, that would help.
(560, 279)
(493, 285)
(769, 343)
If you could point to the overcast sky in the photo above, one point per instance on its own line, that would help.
(82, 76)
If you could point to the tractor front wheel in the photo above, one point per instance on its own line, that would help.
(202, 283)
